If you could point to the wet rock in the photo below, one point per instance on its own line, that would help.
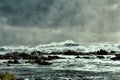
(102, 52)
(113, 52)
(25, 56)
(86, 57)
(54, 57)
(13, 62)
(100, 57)
(117, 57)
(77, 57)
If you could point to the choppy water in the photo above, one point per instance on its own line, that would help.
(68, 69)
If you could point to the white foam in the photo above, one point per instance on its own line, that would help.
(95, 65)
(67, 45)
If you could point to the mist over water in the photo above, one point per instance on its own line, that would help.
(34, 22)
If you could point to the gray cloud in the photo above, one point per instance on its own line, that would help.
(31, 22)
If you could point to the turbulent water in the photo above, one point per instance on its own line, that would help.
(70, 68)
(67, 45)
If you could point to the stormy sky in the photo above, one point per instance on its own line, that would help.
(34, 22)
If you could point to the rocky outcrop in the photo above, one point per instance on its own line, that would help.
(102, 52)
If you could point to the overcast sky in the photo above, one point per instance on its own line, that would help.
(34, 22)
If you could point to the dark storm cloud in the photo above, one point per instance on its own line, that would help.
(40, 13)
(30, 22)
(24, 12)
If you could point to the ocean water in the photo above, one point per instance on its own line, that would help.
(70, 68)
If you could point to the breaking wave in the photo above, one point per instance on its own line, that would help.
(55, 44)
(64, 46)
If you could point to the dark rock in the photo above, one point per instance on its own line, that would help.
(55, 53)
(16, 61)
(69, 52)
(44, 63)
(10, 61)
(117, 57)
(13, 62)
(1, 56)
(25, 56)
(102, 52)
(54, 57)
(77, 57)
(86, 57)
(112, 52)
(100, 57)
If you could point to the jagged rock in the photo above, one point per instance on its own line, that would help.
(102, 52)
